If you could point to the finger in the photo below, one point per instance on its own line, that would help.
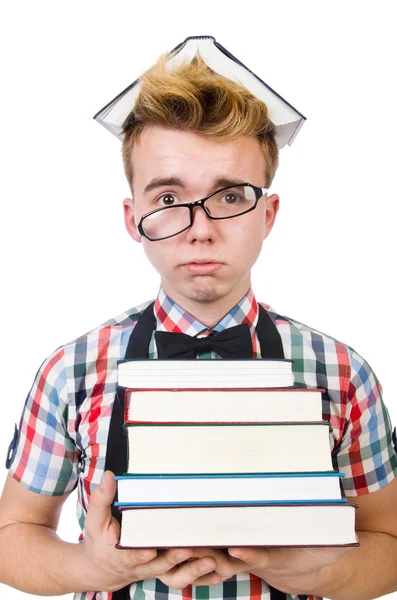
(226, 565)
(133, 558)
(186, 574)
(295, 560)
(99, 515)
(164, 562)
(259, 557)
(213, 578)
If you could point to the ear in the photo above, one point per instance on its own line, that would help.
(129, 219)
(272, 206)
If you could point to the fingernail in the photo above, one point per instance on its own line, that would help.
(102, 484)
(235, 553)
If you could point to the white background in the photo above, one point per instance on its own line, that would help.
(67, 262)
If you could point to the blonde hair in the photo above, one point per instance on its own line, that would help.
(196, 99)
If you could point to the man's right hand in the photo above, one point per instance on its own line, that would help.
(113, 568)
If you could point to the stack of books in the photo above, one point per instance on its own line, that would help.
(226, 453)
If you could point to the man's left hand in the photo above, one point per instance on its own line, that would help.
(290, 570)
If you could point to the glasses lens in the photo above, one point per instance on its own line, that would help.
(231, 202)
(166, 222)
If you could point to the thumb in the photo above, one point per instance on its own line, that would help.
(99, 514)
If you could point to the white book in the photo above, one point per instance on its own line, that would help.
(224, 489)
(237, 448)
(224, 405)
(205, 373)
(285, 117)
(312, 525)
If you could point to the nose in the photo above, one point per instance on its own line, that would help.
(202, 227)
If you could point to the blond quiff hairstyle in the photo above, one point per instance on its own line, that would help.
(196, 99)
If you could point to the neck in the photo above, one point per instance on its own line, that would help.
(208, 312)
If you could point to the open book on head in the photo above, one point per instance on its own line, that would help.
(285, 117)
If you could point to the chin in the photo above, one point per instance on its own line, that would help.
(205, 296)
(205, 291)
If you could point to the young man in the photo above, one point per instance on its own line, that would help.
(191, 146)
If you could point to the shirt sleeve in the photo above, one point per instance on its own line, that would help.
(366, 455)
(45, 458)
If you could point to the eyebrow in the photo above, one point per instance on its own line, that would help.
(221, 182)
(162, 181)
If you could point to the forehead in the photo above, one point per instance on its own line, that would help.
(165, 152)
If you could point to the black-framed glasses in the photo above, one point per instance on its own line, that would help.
(226, 203)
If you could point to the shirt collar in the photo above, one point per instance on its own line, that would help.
(172, 317)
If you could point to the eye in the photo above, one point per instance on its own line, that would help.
(167, 199)
(232, 198)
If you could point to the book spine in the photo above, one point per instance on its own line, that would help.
(227, 424)
(291, 389)
(289, 503)
(279, 502)
(235, 475)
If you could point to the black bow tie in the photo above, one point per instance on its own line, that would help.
(234, 342)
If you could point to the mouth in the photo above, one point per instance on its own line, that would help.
(201, 262)
(202, 267)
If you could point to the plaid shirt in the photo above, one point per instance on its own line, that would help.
(64, 425)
